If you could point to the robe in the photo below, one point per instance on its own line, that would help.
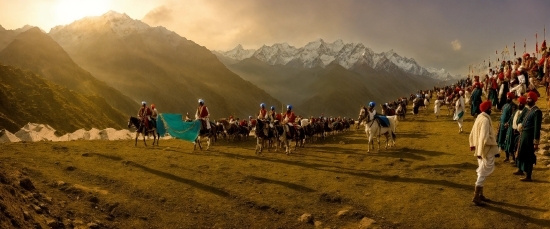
(529, 136)
(475, 101)
(505, 123)
(483, 138)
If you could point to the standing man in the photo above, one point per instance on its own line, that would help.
(512, 135)
(203, 114)
(506, 121)
(459, 110)
(475, 99)
(529, 138)
(483, 143)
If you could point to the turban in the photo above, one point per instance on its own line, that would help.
(522, 100)
(533, 96)
(510, 95)
(485, 106)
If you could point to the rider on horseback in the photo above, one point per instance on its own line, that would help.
(203, 114)
(144, 114)
(154, 115)
(263, 112)
(289, 118)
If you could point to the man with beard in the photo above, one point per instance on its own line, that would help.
(483, 143)
(529, 138)
(505, 122)
(512, 134)
(475, 100)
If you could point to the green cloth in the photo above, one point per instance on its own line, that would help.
(177, 128)
(475, 100)
(493, 96)
(531, 122)
(505, 118)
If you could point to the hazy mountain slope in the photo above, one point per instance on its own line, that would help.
(26, 97)
(39, 53)
(157, 65)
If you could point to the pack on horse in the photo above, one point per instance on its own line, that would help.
(209, 134)
(374, 128)
(142, 129)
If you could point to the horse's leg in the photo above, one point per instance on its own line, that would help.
(137, 135)
(208, 142)
(144, 142)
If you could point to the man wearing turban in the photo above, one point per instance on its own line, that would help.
(529, 128)
(506, 121)
(484, 144)
(475, 99)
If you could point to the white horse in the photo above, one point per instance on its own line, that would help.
(374, 129)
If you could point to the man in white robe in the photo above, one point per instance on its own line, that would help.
(459, 111)
(483, 142)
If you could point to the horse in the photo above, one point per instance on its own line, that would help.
(309, 132)
(294, 133)
(373, 128)
(400, 112)
(319, 130)
(262, 132)
(230, 129)
(210, 134)
(141, 129)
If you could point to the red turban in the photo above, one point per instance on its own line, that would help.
(522, 100)
(485, 106)
(533, 96)
(510, 95)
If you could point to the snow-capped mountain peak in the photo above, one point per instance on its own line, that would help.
(321, 53)
(238, 53)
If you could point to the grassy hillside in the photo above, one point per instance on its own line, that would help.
(426, 181)
(167, 70)
(26, 97)
(39, 53)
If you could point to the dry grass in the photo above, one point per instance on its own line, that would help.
(426, 181)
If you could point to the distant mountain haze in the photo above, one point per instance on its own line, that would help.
(329, 78)
(38, 52)
(26, 97)
(158, 66)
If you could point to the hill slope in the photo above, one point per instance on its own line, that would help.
(157, 65)
(39, 53)
(26, 97)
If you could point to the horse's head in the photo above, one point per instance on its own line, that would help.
(133, 121)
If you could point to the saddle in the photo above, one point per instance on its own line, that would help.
(383, 120)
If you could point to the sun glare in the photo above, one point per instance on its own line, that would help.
(67, 11)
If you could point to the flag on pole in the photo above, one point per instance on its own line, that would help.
(514, 49)
(525, 46)
(537, 43)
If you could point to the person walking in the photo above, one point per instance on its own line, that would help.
(483, 143)
(459, 110)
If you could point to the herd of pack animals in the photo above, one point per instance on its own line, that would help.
(272, 135)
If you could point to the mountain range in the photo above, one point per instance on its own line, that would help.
(157, 65)
(321, 53)
(330, 78)
(104, 66)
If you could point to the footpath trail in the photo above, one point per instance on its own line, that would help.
(426, 181)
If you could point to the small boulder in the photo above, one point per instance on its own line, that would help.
(306, 218)
(27, 184)
(366, 223)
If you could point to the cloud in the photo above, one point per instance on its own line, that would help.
(456, 45)
(159, 15)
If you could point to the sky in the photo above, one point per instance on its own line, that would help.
(436, 33)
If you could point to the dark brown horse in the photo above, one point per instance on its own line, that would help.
(142, 129)
(209, 134)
